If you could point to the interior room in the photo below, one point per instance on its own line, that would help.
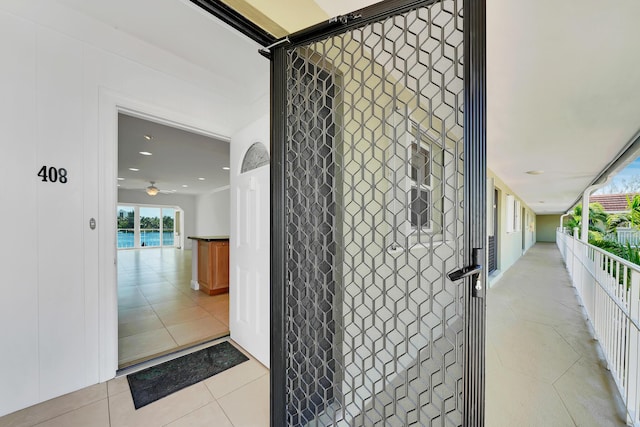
(172, 185)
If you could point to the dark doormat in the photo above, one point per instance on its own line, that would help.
(159, 381)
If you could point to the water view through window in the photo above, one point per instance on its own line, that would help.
(142, 225)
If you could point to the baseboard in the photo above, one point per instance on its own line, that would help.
(494, 277)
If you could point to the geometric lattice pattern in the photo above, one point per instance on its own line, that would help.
(373, 180)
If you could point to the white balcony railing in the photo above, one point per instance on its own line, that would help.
(628, 235)
(609, 288)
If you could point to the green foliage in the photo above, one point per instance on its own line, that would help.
(626, 251)
(125, 219)
(597, 220)
(616, 220)
(634, 206)
(167, 223)
(153, 223)
(631, 254)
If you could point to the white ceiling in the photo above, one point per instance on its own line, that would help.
(188, 32)
(563, 79)
(178, 158)
(563, 93)
(343, 7)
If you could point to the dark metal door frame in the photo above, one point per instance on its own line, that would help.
(473, 386)
(475, 146)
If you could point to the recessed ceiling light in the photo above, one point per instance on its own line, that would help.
(120, 179)
(200, 179)
(146, 153)
(148, 137)
(184, 185)
(226, 168)
(538, 172)
(118, 185)
(134, 169)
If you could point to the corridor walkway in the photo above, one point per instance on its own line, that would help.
(543, 366)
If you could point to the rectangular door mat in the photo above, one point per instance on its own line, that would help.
(159, 381)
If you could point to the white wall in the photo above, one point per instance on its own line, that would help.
(212, 213)
(186, 201)
(60, 73)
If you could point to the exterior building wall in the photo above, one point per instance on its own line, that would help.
(546, 226)
(515, 241)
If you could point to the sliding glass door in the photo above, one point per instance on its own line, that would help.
(126, 227)
(146, 227)
(168, 226)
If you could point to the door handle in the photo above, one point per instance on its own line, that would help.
(467, 271)
(472, 271)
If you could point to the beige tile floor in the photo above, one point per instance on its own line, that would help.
(238, 397)
(158, 312)
(543, 369)
(543, 366)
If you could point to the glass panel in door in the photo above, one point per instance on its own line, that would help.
(168, 226)
(126, 227)
(149, 227)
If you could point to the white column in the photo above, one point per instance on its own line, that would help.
(585, 209)
(194, 265)
(584, 235)
(562, 220)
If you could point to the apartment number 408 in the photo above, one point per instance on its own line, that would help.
(53, 174)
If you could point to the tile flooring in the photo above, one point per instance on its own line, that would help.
(158, 312)
(237, 397)
(543, 369)
(543, 366)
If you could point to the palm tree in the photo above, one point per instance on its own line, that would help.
(597, 219)
(630, 219)
(634, 207)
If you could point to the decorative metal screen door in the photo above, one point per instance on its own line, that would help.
(378, 179)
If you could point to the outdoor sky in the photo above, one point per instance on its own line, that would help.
(631, 171)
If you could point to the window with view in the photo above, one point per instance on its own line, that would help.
(145, 226)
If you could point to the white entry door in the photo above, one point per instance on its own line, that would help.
(250, 285)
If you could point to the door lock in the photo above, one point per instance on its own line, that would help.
(472, 271)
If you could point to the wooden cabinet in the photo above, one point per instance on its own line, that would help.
(213, 266)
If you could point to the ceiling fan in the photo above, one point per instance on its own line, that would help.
(152, 190)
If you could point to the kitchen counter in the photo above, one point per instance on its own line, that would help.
(210, 264)
(208, 238)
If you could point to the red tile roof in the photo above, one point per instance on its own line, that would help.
(612, 202)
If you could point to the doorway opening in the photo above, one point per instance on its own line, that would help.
(166, 180)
